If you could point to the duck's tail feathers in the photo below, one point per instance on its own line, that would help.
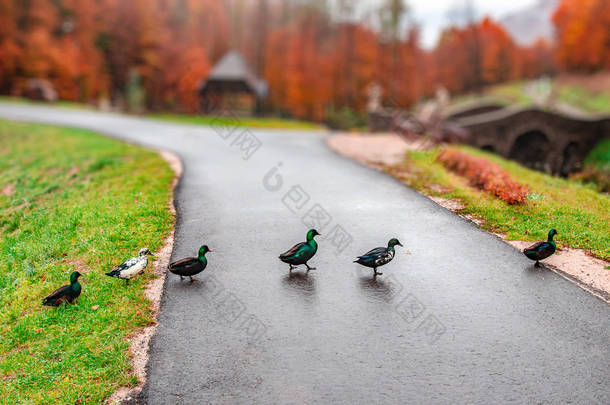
(113, 273)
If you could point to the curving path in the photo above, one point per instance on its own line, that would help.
(460, 318)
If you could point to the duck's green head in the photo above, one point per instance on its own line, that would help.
(552, 233)
(74, 277)
(203, 250)
(311, 233)
(144, 252)
(393, 242)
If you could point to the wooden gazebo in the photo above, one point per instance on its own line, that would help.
(232, 85)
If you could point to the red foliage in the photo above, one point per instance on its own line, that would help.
(583, 34)
(313, 62)
(484, 175)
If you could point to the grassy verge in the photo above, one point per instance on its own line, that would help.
(59, 103)
(250, 122)
(72, 200)
(194, 119)
(507, 94)
(578, 212)
(585, 99)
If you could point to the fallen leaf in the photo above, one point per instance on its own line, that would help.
(95, 307)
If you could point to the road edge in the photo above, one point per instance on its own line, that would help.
(139, 347)
(452, 207)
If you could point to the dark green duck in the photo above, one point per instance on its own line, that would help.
(190, 266)
(541, 250)
(67, 293)
(378, 256)
(302, 252)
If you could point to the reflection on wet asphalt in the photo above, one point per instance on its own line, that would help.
(461, 319)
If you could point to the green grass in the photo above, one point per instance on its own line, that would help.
(513, 93)
(194, 119)
(600, 155)
(578, 212)
(73, 200)
(250, 122)
(584, 99)
(59, 103)
(507, 94)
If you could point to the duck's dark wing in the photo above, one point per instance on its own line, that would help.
(376, 257)
(116, 271)
(188, 261)
(295, 251)
(374, 252)
(539, 250)
(126, 264)
(56, 296)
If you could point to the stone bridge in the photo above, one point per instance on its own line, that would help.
(543, 140)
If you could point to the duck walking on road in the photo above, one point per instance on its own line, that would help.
(132, 267)
(378, 256)
(190, 266)
(302, 252)
(67, 293)
(541, 250)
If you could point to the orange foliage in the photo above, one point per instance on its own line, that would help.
(477, 55)
(583, 34)
(484, 175)
(314, 64)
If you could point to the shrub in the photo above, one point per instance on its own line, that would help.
(345, 119)
(599, 176)
(484, 175)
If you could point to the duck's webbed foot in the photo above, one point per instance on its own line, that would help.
(309, 268)
(126, 281)
(537, 264)
(192, 279)
(181, 278)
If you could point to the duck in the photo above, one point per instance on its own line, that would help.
(132, 267)
(541, 250)
(302, 252)
(67, 293)
(378, 256)
(190, 266)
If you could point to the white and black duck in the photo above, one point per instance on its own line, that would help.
(379, 256)
(132, 267)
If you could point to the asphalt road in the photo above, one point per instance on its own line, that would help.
(458, 316)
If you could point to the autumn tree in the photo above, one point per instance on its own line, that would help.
(583, 34)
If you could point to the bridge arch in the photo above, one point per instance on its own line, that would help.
(571, 161)
(543, 140)
(531, 149)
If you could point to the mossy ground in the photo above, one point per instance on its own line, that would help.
(73, 200)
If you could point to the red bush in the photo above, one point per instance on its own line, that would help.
(484, 175)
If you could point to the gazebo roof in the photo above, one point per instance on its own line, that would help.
(233, 72)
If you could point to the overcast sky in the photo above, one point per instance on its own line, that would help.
(432, 15)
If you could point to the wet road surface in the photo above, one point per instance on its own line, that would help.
(458, 316)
